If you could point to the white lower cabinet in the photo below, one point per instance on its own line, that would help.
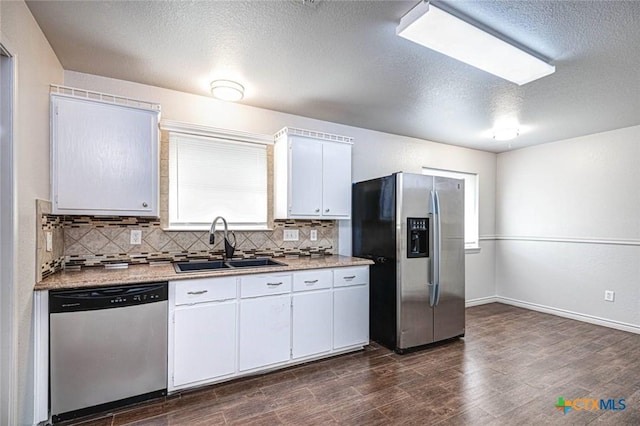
(226, 327)
(202, 330)
(312, 321)
(204, 342)
(350, 307)
(265, 331)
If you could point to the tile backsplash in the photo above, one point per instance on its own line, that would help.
(82, 241)
(52, 261)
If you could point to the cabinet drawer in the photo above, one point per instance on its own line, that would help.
(205, 290)
(343, 277)
(264, 285)
(312, 280)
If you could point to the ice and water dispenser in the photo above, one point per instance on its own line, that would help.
(417, 237)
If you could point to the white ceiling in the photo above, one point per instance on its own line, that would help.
(341, 61)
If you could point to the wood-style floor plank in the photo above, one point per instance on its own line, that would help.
(510, 368)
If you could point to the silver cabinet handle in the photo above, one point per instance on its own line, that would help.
(275, 284)
(326, 210)
(144, 204)
(311, 282)
(350, 277)
(198, 292)
(317, 210)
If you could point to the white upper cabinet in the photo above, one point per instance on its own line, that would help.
(306, 177)
(312, 175)
(336, 180)
(104, 158)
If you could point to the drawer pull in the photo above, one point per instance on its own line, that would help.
(311, 282)
(275, 284)
(198, 292)
(350, 277)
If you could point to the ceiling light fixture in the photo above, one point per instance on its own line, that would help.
(436, 29)
(505, 134)
(227, 90)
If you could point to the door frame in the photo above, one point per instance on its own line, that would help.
(7, 236)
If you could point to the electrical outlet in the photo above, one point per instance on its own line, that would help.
(609, 295)
(136, 237)
(49, 241)
(313, 235)
(290, 235)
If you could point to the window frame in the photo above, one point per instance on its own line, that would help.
(471, 242)
(213, 134)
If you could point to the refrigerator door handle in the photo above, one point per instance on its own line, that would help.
(433, 285)
(438, 238)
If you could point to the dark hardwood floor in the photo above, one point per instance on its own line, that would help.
(510, 369)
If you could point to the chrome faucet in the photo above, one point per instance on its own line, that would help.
(228, 248)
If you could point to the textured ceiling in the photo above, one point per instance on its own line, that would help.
(341, 61)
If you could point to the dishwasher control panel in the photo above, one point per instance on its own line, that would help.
(106, 297)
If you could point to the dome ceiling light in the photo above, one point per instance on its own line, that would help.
(227, 90)
(505, 134)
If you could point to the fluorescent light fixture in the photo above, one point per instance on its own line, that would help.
(436, 29)
(227, 90)
(505, 134)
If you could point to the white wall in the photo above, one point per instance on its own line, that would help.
(36, 68)
(374, 153)
(568, 223)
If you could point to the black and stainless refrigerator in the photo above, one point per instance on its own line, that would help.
(412, 227)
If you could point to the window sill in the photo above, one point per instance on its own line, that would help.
(219, 227)
(472, 250)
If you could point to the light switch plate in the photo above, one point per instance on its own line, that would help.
(136, 237)
(49, 241)
(290, 235)
(313, 235)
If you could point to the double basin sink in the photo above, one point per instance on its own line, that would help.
(212, 265)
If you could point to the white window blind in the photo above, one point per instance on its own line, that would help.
(471, 216)
(211, 177)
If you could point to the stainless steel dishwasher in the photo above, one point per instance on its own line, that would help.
(107, 348)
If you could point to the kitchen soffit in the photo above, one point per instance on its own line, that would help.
(342, 62)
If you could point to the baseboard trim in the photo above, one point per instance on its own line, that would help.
(480, 301)
(618, 325)
(568, 240)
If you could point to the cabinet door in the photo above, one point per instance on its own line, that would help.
(105, 158)
(204, 342)
(311, 323)
(336, 183)
(305, 185)
(350, 316)
(265, 331)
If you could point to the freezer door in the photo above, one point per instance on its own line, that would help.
(449, 314)
(414, 313)
(374, 237)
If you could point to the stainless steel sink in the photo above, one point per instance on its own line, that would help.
(198, 266)
(254, 263)
(212, 265)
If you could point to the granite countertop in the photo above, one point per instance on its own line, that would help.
(135, 274)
